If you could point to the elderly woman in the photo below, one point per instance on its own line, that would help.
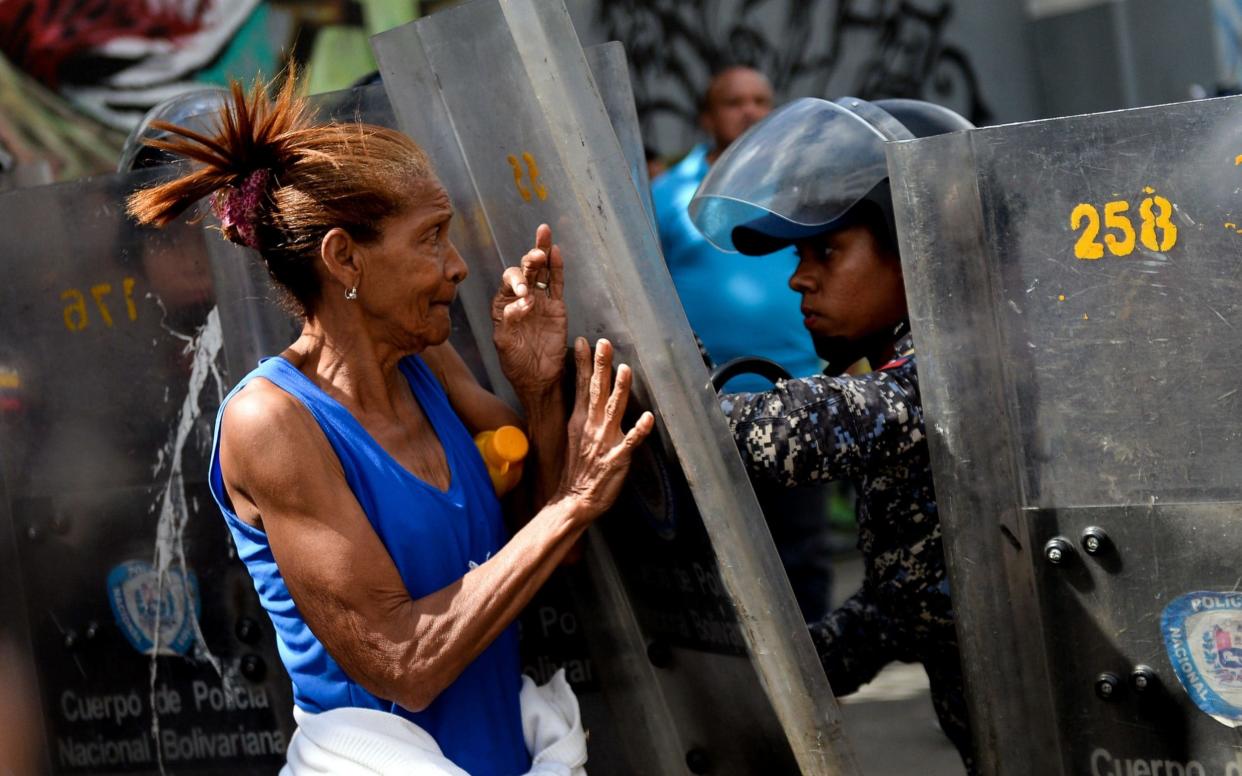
(345, 466)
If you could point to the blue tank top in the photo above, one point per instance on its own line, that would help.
(433, 537)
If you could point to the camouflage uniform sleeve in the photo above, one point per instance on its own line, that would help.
(818, 429)
(708, 361)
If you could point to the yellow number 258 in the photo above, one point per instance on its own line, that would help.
(1157, 232)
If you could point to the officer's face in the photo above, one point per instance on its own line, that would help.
(851, 288)
(737, 99)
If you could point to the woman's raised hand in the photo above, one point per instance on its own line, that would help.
(529, 325)
(598, 454)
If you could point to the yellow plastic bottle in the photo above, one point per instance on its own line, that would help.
(503, 450)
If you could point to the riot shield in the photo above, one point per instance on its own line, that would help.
(122, 589)
(611, 71)
(700, 650)
(1073, 288)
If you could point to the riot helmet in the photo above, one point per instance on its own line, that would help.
(197, 110)
(806, 169)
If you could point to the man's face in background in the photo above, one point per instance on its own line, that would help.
(737, 99)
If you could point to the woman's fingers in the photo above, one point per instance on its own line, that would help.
(541, 268)
(619, 397)
(644, 426)
(556, 273)
(534, 265)
(601, 378)
(582, 359)
(543, 239)
(535, 262)
(518, 281)
(517, 309)
(513, 282)
(555, 263)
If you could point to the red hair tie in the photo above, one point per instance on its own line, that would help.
(239, 208)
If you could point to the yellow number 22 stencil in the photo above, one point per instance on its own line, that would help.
(532, 170)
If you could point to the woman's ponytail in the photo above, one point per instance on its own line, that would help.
(278, 181)
(250, 147)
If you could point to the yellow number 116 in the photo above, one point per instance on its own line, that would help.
(1157, 232)
(76, 316)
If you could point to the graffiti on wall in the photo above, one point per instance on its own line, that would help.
(867, 48)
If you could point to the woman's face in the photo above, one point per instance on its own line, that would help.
(851, 290)
(411, 272)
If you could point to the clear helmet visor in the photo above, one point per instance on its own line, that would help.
(791, 175)
(197, 110)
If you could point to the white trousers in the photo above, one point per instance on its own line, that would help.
(366, 742)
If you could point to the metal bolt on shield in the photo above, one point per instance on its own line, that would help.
(1142, 678)
(1106, 685)
(253, 668)
(1058, 551)
(1094, 540)
(247, 630)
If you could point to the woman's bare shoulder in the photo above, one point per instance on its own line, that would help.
(264, 428)
(261, 407)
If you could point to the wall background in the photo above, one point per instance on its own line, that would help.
(77, 75)
(995, 61)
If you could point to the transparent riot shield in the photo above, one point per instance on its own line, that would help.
(611, 71)
(1074, 293)
(697, 641)
(123, 596)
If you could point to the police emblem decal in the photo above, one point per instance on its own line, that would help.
(140, 604)
(1203, 636)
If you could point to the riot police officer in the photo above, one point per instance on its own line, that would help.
(814, 175)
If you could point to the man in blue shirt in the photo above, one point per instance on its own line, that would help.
(737, 306)
(742, 307)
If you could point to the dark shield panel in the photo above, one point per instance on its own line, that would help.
(138, 624)
(1075, 288)
(696, 639)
